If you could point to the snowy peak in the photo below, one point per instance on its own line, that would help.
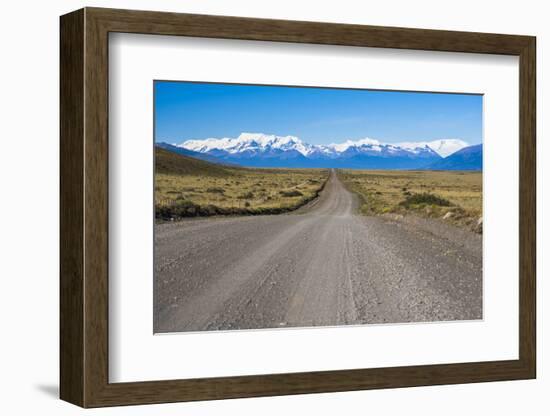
(249, 142)
(206, 145)
(342, 147)
(373, 146)
(443, 147)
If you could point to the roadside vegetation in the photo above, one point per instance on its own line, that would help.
(452, 196)
(189, 187)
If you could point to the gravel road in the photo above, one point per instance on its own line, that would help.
(322, 265)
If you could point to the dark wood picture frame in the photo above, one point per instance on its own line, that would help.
(84, 207)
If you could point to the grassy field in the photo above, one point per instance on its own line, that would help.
(453, 196)
(188, 187)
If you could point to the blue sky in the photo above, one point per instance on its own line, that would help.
(186, 110)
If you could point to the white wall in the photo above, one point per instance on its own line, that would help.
(29, 208)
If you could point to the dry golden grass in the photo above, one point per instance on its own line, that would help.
(417, 191)
(189, 187)
(252, 188)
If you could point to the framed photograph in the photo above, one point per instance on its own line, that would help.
(257, 207)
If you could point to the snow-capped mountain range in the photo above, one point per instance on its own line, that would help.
(267, 150)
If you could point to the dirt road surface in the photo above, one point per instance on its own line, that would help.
(322, 265)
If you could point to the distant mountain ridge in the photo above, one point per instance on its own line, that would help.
(190, 153)
(468, 158)
(267, 150)
(172, 163)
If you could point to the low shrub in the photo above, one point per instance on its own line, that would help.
(180, 208)
(291, 193)
(247, 195)
(425, 199)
